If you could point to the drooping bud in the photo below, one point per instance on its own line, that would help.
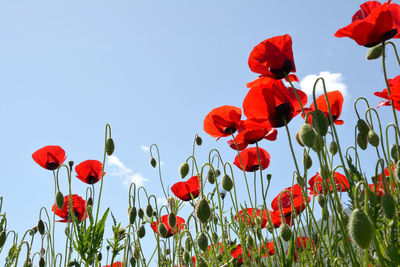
(361, 229)
(202, 241)
(162, 230)
(198, 140)
(320, 122)
(395, 152)
(110, 146)
(362, 141)
(307, 135)
(188, 244)
(132, 215)
(318, 144)
(42, 262)
(227, 183)
(373, 138)
(321, 200)
(285, 232)
(3, 238)
(149, 210)
(307, 161)
(298, 139)
(300, 180)
(41, 227)
(202, 262)
(210, 176)
(363, 127)
(217, 172)
(184, 169)
(132, 261)
(59, 200)
(172, 220)
(99, 256)
(203, 211)
(215, 237)
(171, 203)
(333, 148)
(153, 162)
(141, 231)
(90, 201)
(324, 172)
(140, 213)
(375, 52)
(325, 213)
(388, 206)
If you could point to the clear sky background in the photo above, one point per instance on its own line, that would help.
(153, 70)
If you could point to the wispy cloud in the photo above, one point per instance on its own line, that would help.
(333, 81)
(145, 148)
(119, 169)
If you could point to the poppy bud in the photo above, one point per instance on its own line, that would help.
(155, 213)
(202, 241)
(307, 161)
(227, 183)
(203, 211)
(269, 176)
(345, 218)
(99, 256)
(217, 172)
(285, 232)
(321, 200)
(307, 135)
(28, 263)
(320, 122)
(315, 237)
(121, 231)
(140, 213)
(395, 152)
(59, 200)
(333, 148)
(298, 139)
(141, 231)
(132, 215)
(362, 127)
(202, 262)
(388, 206)
(222, 194)
(90, 201)
(184, 169)
(325, 213)
(132, 261)
(172, 220)
(324, 172)
(162, 230)
(210, 176)
(42, 262)
(361, 229)
(71, 263)
(249, 241)
(300, 180)
(373, 138)
(186, 256)
(153, 162)
(198, 140)
(362, 141)
(171, 203)
(41, 227)
(188, 244)
(149, 210)
(110, 146)
(215, 237)
(318, 144)
(3, 238)
(375, 52)
(397, 170)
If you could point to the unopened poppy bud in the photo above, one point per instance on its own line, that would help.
(186, 256)
(210, 176)
(320, 122)
(362, 141)
(34, 230)
(171, 203)
(99, 256)
(222, 194)
(198, 140)
(397, 170)
(333, 148)
(110, 146)
(141, 231)
(215, 237)
(307, 135)
(269, 176)
(315, 238)
(361, 229)
(136, 252)
(285, 232)
(363, 127)
(388, 206)
(184, 169)
(321, 200)
(307, 161)
(162, 230)
(41, 227)
(188, 244)
(132, 261)
(140, 213)
(298, 139)
(324, 172)
(345, 218)
(132, 215)
(59, 200)
(122, 231)
(202, 241)
(3, 238)
(325, 213)
(203, 211)
(42, 262)
(300, 180)
(153, 162)
(395, 152)
(71, 263)
(217, 172)
(155, 213)
(90, 201)
(375, 52)
(373, 138)
(149, 210)
(249, 241)
(202, 262)
(172, 220)
(318, 144)
(227, 183)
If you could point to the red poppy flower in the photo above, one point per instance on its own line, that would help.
(384, 94)
(394, 85)
(78, 208)
(89, 171)
(251, 215)
(342, 185)
(379, 189)
(237, 253)
(285, 199)
(249, 159)
(274, 102)
(49, 157)
(180, 224)
(387, 174)
(273, 57)
(222, 121)
(185, 190)
(267, 249)
(374, 23)
(276, 218)
(336, 102)
(303, 243)
(115, 264)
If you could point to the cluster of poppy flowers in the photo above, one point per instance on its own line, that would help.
(89, 172)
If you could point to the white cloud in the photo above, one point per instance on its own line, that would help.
(119, 169)
(333, 81)
(162, 201)
(145, 148)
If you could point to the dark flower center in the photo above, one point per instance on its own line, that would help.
(91, 179)
(52, 165)
(386, 36)
(230, 130)
(283, 113)
(279, 73)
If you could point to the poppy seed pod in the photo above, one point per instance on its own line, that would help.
(307, 161)
(198, 140)
(373, 138)
(320, 122)
(362, 141)
(307, 135)
(162, 230)
(59, 200)
(395, 152)
(184, 169)
(202, 241)
(360, 228)
(203, 211)
(41, 227)
(285, 232)
(149, 210)
(153, 162)
(375, 52)
(141, 231)
(333, 147)
(388, 206)
(110, 146)
(227, 183)
(363, 127)
(298, 139)
(172, 220)
(132, 215)
(210, 176)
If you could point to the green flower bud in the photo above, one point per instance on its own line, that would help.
(186, 257)
(397, 170)
(298, 139)
(324, 172)
(249, 241)
(318, 144)
(325, 213)
(132, 215)
(217, 172)
(198, 140)
(375, 52)
(202, 262)
(149, 210)
(99, 256)
(153, 162)
(210, 176)
(307, 135)
(333, 148)
(132, 261)
(184, 169)
(171, 203)
(362, 141)
(307, 161)
(203, 211)
(215, 237)
(59, 200)
(3, 238)
(285, 232)
(388, 206)
(141, 231)
(42, 262)
(360, 228)
(140, 213)
(321, 200)
(110, 146)
(162, 230)
(363, 127)
(202, 241)
(300, 180)
(188, 244)
(373, 138)
(172, 220)
(41, 227)
(320, 122)
(395, 152)
(227, 183)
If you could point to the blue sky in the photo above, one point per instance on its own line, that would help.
(153, 70)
